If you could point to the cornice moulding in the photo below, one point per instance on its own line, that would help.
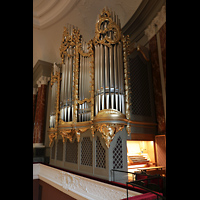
(158, 21)
(140, 20)
(41, 68)
(77, 186)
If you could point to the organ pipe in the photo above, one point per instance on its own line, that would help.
(54, 85)
(94, 74)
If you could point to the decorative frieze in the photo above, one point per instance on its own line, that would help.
(77, 186)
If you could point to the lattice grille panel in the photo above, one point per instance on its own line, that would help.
(86, 151)
(71, 151)
(60, 150)
(140, 96)
(100, 155)
(117, 155)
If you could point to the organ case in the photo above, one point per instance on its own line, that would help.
(90, 90)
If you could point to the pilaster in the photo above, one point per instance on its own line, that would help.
(156, 23)
(39, 125)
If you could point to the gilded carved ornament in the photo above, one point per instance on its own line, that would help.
(105, 16)
(52, 136)
(70, 133)
(108, 131)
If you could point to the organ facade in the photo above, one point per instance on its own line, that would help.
(91, 116)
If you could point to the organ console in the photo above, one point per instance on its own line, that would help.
(90, 90)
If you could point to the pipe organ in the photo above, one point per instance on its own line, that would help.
(90, 89)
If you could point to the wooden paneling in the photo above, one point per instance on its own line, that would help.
(35, 189)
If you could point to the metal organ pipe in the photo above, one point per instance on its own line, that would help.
(109, 72)
(119, 74)
(67, 82)
(80, 90)
(84, 84)
(84, 104)
(53, 98)
(98, 80)
(106, 77)
(102, 75)
(116, 77)
(122, 77)
(69, 87)
(96, 77)
(111, 76)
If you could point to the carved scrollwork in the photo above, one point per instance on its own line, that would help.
(108, 131)
(70, 133)
(102, 35)
(68, 41)
(84, 100)
(67, 134)
(52, 136)
(79, 131)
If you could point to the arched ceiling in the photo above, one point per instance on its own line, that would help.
(48, 12)
(50, 16)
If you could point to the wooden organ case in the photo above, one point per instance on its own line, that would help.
(90, 110)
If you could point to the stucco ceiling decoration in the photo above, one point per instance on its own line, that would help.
(47, 12)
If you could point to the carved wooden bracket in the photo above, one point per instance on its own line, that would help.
(108, 131)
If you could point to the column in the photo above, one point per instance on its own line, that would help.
(39, 128)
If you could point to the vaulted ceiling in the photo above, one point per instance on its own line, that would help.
(50, 16)
(48, 12)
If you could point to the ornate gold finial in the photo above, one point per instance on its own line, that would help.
(101, 36)
(68, 40)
